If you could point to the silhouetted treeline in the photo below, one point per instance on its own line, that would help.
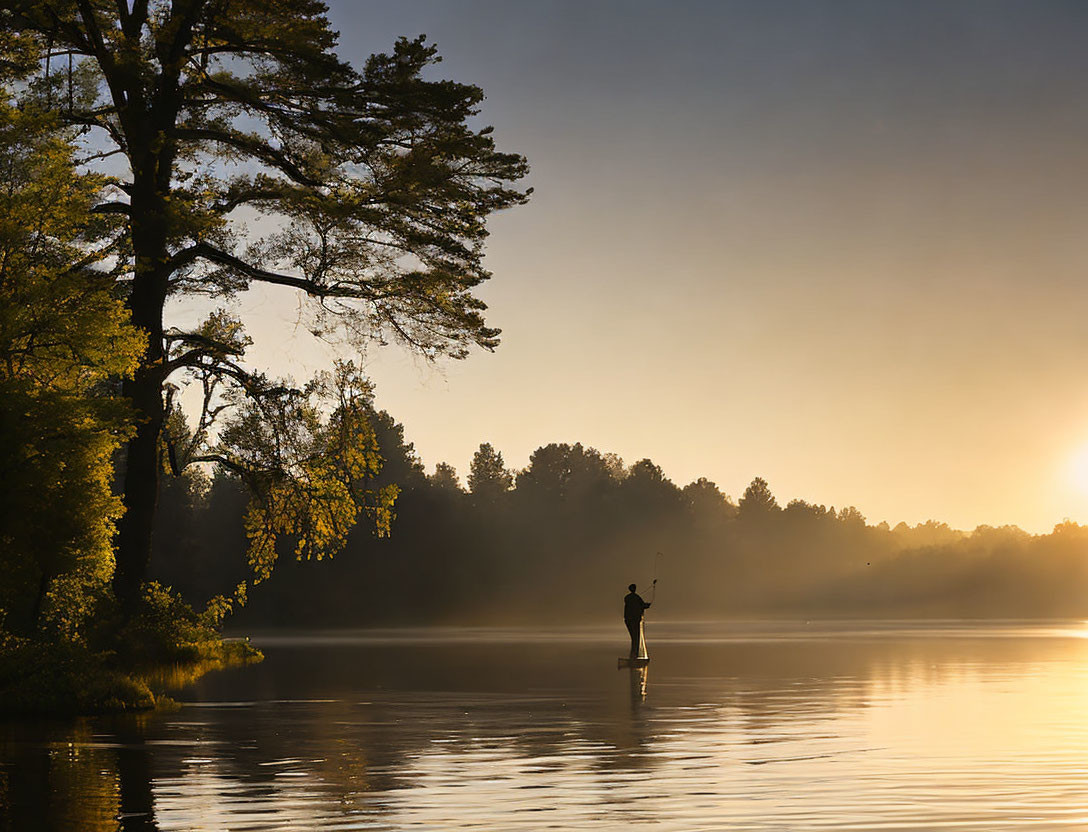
(559, 541)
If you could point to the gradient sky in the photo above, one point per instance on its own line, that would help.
(840, 245)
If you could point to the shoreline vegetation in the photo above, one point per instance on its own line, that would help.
(116, 668)
(50, 680)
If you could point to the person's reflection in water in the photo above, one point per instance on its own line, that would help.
(628, 731)
(639, 678)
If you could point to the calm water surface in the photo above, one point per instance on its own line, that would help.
(735, 726)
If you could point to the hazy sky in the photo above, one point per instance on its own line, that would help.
(840, 245)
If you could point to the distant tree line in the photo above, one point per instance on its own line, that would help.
(559, 541)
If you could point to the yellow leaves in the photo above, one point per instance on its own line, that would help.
(381, 513)
(315, 492)
(220, 606)
(318, 507)
(260, 526)
(20, 52)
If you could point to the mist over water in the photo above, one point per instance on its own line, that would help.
(740, 726)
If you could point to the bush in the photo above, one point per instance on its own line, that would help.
(66, 678)
(163, 646)
(165, 629)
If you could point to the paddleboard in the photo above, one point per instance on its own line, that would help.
(643, 658)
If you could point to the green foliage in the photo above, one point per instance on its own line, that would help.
(18, 52)
(166, 630)
(163, 646)
(62, 678)
(63, 337)
(62, 327)
(220, 606)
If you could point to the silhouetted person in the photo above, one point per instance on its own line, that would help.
(633, 607)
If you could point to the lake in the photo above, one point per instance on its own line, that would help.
(738, 726)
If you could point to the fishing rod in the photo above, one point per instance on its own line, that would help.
(653, 591)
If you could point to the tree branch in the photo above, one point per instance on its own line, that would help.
(245, 196)
(95, 121)
(98, 45)
(226, 462)
(208, 252)
(251, 146)
(97, 157)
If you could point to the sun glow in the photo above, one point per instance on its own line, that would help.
(1078, 469)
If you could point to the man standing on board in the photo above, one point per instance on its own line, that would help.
(633, 608)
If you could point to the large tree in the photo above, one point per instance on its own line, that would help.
(375, 182)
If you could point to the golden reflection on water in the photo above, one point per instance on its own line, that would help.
(640, 678)
(762, 728)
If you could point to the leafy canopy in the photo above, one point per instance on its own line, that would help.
(378, 187)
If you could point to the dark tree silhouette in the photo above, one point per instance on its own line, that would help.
(400, 463)
(758, 501)
(488, 477)
(705, 500)
(445, 477)
(647, 490)
(559, 471)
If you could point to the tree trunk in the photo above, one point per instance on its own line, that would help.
(141, 486)
(144, 392)
(39, 602)
(147, 114)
